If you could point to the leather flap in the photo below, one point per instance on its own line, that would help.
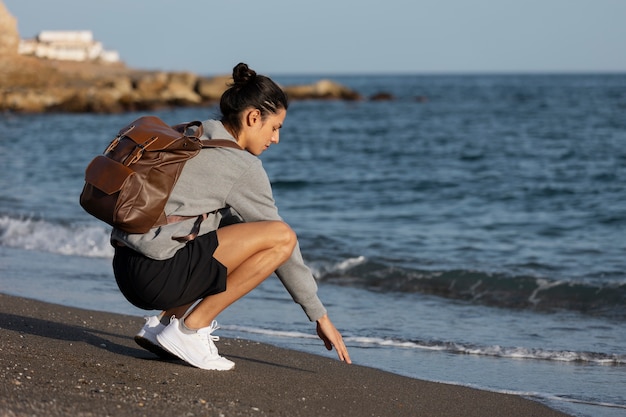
(106, 174)
(156, 135)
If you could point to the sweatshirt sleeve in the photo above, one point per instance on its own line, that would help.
(251, 197)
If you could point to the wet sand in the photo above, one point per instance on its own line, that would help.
(64, 361)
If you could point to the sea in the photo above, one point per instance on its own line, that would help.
(469, 229)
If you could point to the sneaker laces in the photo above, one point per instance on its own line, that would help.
(211, 338)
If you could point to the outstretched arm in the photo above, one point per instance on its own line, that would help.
(327, 331)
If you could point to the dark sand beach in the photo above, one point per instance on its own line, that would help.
(63, 361)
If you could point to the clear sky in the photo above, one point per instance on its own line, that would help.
(346, 36)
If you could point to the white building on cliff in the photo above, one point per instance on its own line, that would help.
(67, 46)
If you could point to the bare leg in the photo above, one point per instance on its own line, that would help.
(177, 311)
(251, 252)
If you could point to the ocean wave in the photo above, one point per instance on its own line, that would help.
(604, 298)
(290, 184)
(453, 347)
(41, 235)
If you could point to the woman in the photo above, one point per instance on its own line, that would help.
(192, 282)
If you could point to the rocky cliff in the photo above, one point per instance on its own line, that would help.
(9, 36)
(29, 84)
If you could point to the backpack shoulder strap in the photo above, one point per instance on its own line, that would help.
(220, 143)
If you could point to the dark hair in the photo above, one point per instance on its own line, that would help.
(250, 90)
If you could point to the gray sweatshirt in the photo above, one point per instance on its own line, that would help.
(225, 182)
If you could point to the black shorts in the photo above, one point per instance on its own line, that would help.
(192, 273)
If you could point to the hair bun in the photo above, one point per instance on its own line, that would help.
(242, 74)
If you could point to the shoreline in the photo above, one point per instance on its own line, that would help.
(59, 360)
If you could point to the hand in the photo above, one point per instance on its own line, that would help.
(327, 331)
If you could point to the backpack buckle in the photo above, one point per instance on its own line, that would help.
(139, 150)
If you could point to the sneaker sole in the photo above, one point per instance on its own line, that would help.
(156, 349)
(175, 351)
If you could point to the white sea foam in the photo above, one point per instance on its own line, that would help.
(41, 235)
(542, 285)
(321, 269)
(453, 347)
(350, 263)
(269, 332)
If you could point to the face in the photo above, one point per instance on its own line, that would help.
(259, 134)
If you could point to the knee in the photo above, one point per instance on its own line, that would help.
(285, 238)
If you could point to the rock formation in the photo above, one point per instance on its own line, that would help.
(323, 89)
(9, 36)
(29, 84)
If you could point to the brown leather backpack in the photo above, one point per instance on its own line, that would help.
(129, 184)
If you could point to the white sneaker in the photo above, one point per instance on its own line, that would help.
(147, 337)
(197, 349)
